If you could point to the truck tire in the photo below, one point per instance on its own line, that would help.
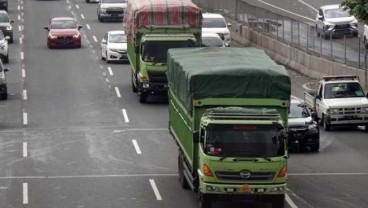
(204, 200)
(326, 126)
(142, 97)
(183, 181)
(278, 201)
(134, 88)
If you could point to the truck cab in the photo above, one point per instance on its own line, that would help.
(339, 101)
(150, 75)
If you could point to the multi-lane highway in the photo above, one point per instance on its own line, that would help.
(73, 134)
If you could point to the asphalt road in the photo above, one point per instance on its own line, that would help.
(73, 134)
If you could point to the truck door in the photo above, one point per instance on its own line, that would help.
(319, 104)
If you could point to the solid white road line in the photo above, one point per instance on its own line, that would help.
(110, 71)
(279, 8)
(125, 115)
(88, 27)
(77, 6)
(95, 39)
(21, 55)
(24, 94)
(23, 73)
(137, 149)
(117, 92)
(25, 118)
(25, 151)
(155, 189)
(290, 202)
(82, 16)
(25, 193)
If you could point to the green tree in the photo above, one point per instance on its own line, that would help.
(358, 8)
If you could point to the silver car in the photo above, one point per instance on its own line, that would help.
(334, 20)
(111, 9)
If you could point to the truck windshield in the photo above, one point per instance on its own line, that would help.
(343, 90)
(156, 51)
(243, 141)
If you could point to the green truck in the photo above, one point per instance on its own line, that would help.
(228, 111)
(152, 27)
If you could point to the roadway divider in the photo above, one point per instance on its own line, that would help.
(307, 64)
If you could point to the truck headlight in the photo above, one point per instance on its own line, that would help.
(333, 111)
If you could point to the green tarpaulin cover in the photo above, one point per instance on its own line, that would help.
(225, 73)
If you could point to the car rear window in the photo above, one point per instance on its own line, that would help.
(213, 23)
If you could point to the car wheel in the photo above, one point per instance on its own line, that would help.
(107, 58)
(6, 59)
(315, 148)
(102, 57)
(11, 40)
(5, 95)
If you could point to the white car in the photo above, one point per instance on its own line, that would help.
(111, 9)
(212, 40)
(365, 35)
(332, 19)
(216, 23)
(4, 48)
(114, 46)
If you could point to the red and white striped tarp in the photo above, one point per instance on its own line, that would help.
(161, 13)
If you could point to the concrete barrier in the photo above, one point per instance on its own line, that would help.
(299, 60)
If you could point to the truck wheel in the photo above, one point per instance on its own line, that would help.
(326, 126)
(204, 201)
(278, 201)
(142, 97)
(134, 88)
(183, 182)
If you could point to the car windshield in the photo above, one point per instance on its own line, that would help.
(4, 18)
(63, 24)
(117, 38)
(114, 1)
(343, 90)
(213, 23)
(212, 42)
(156, 51)
(336, 13)
(298, 110)
(243, 141)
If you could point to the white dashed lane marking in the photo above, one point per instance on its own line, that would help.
(95, 39)
(136, 146)
(155, 189)
(25, 193)
(125, 115)
(117, 92)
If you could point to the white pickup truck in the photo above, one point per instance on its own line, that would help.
(339, 101)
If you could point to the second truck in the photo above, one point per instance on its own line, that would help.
(229, 118)
(152, 27)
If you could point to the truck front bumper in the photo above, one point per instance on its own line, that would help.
(154, 88)
(346, 120)
(245, 190)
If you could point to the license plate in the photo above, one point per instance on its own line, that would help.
(246, 189)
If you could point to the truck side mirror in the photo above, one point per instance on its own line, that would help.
(196, 137)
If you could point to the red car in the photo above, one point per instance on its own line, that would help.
(63, 32)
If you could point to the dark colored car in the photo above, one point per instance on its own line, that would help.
(63, 32)
(4, 5)
(303, 130)
(3, 85)
(5, 25)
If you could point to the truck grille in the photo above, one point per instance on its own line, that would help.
(157, 77)
(254, 176)
(344, 111)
